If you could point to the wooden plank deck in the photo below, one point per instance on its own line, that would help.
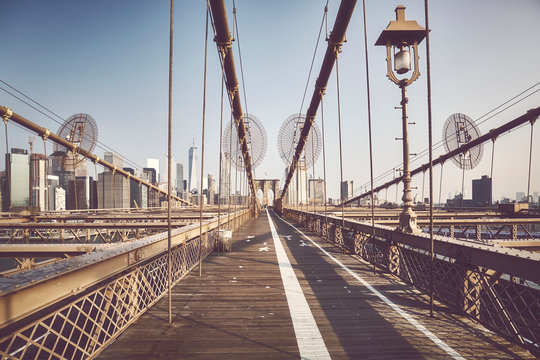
(238, 310)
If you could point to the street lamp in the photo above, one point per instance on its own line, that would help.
(398, 37)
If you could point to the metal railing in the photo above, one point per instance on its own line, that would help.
(73, 309)
(495, 286)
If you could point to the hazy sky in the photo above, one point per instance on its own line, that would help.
(110, 60)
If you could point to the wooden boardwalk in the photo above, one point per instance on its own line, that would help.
(238, 310)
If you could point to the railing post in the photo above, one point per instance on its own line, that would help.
(472, 288)
(393, 259)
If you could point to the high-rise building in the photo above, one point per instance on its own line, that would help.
(3, 191)
(59, 199)
(297, 193)
(18, 178)
(173, 175)
(38, 181)
(150, 174)
(211, 189)
(113, 190)
(224, 188)
(78, 196)
(180, 179)
(135, 190)
(114, 159)
(520, 196)
(154, 164)
(347, 190)
(316, 190)
(481, 191)
(193, 185)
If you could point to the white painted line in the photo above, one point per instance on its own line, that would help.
(310, 342)
(454, 354)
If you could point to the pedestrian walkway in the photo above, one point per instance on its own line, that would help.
(279, 294)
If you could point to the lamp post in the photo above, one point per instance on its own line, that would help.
(398, 37)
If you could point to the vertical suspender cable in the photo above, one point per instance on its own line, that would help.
(169, 259)
(313, 172)
(220, 187)
(492, 157)
(46, 173)
(202, 143)
(423, 183)
(230, 177)
(369, 126)
(440, 183)
(530, 159)
(324, 161)
(430, 136)
(342, 200)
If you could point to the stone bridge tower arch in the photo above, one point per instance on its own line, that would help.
(265, 185)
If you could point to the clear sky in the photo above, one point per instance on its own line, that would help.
(110, 60)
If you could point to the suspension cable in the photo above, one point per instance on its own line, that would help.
(220, 155)
(202, 144)
(369, 124)
(169, 257)
(85, 136)
(340, 143)
(46, 173)
(324, 160)
(430, 145)
(440, 144)
(230, 168)
(530, 160)
(440, 184)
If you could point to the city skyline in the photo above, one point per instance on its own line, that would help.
(49, 79)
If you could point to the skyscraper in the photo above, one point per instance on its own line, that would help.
(173, 175)
(114, 159)
(180, 179)
(316, 190)
(211, 189)
(18, 178)
(154, 164)
(38, 181)
(193, 185)
(481, 191)
(224, 178)
(347, 190)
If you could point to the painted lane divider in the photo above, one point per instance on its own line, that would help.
(441, 344)
(308, 337)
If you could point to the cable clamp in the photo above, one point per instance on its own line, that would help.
(46, 134)
(96, 161)
(114, 169)
(7, 115)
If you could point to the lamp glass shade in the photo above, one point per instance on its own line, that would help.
(402, 61)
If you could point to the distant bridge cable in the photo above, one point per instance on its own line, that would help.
(235, 30)
(324, 19)
(224, 41)
(439, 144)
(504, 129)
(335, 41)
(103, 146)
(369, 123)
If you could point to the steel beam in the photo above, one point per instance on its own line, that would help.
(95, 225)
(48, 250)
(335, 40)
(26, 292)
(224, 43)
(524, 264)
(46, 134)
(492, 134)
